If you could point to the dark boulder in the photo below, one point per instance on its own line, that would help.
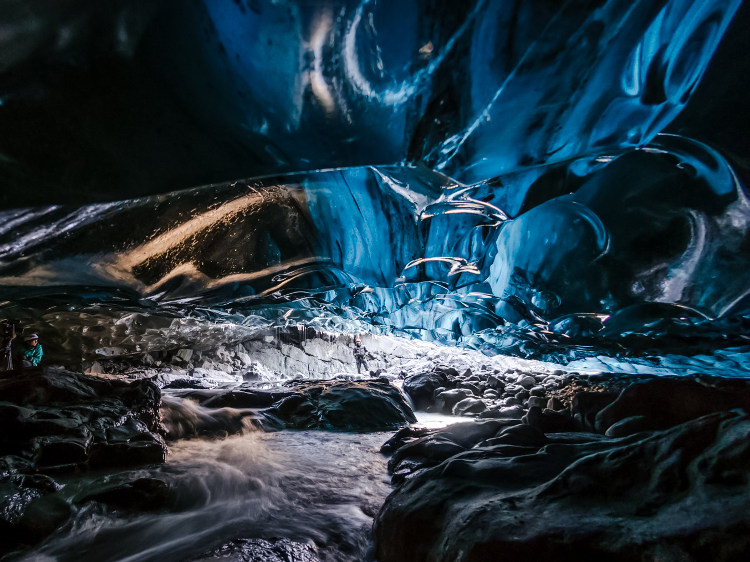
(469, 406)
(445, 400)
(549, 421)
(402, 437)
(668, 402)
(587, 404)
(421, 388)
(29, 510)
(421, 448)
(493, 381)
(366, 405)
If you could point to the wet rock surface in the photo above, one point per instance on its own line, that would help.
(262, 550)
(56, 422)
(658, 469)
(362, 405)
(62, 420)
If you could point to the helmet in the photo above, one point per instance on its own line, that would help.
(358, 340)
(31, 337)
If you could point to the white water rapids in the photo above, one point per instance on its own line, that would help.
(318, 488)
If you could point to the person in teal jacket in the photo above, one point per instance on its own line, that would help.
(32, 355)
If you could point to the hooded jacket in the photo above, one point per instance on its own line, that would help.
(33, 354)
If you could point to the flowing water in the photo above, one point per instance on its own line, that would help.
(312, 487)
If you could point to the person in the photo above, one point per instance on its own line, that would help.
(6, 356)
(360, 352)
(32, 355)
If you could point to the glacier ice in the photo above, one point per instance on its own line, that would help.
(495, 175)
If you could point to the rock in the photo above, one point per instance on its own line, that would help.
(469, 386)
(549, 421)
(434, 446)
(538, 391)
(494, 381)
(34, 519)
(576, 499)
(60, 419)
(555, 404)
(244, 358)
(139, 450)
(366, 405)
(537, 401)
(57, 450)
(402, 437)
(469, 406)
(95, 368)
(421, 388)
(143, 494)
(184, 354)
(447, 399)
(526, 381)
(669, 401)
(29, 509)
(427, 451)
(512, 389)
(521, 434)
(630, 425)
(273, 550)
(588, 404)
(512, 412)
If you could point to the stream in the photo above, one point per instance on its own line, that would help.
(316, 488)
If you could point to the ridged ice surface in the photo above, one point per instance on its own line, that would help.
(493, 175)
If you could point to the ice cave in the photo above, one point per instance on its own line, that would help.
(374, 280)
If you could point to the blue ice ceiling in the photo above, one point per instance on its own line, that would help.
(474, 91)
(482, 173)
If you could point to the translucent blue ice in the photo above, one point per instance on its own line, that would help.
(489, 174)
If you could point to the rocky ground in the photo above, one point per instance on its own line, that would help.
(570, 468)
(56, 422)
(544, 463)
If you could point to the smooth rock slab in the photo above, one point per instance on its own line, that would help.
(677, 494)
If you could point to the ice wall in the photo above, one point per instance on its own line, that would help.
(497, 175)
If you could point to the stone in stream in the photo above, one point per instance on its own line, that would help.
(362, 405)
(263, 550)
(366, 405)
(142, 494)
(421, 388)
